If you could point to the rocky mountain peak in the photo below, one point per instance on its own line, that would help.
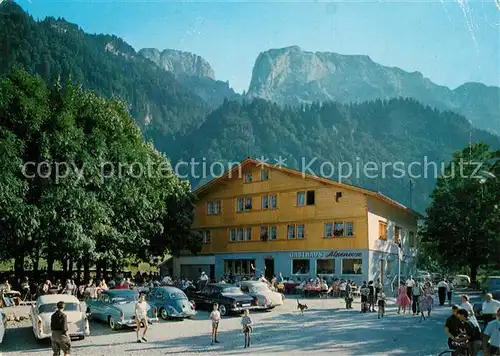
(179, 62)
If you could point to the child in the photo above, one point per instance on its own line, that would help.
(215, 317)
(422, 305)
(246, 321)
(381, 303)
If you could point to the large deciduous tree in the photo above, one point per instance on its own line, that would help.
(103, 194)
(462, 228)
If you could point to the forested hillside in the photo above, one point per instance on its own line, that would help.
(102, 63)
(399, 130)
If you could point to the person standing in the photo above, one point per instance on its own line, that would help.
(490, 307)
(442, 289)
(59, 326)
(410, 283)
(402, 301)
(364, 297)
(470, 310)
(416, 293)
(449, 292)
(141, 317)
(453, 327)
(371, 297)
(491, 337)
(215, 317)
(246, 322)
(381, 303)
(348, 295)
(428, 291)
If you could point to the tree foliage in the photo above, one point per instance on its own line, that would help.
(79, 182)
(462, 227)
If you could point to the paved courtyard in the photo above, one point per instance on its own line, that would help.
(325, 328)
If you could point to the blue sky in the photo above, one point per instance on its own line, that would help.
(448, 43)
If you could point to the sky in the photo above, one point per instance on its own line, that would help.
(449, 41)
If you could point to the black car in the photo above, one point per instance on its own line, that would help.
(478, 306)
(229, 297)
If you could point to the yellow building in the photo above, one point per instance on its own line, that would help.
(258, 218)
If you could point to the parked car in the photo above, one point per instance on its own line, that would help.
(171, 302)
(117, 308)
(229, 297)
(436, 277)
(42, 310)
(266, 298)
(491, 283)
(461, 280)
(3, 325)
(478, 306)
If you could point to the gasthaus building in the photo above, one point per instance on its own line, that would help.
(257, 219)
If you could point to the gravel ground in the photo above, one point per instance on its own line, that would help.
(324, 328)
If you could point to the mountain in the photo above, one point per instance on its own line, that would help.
(106, 64)
(293, 76)
(179, 62)
(331, 137)
(194, 73)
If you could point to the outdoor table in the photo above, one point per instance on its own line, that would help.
(290, 288)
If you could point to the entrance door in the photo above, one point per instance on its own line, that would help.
(269, 264)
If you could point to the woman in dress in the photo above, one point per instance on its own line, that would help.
(470, 310)
(429, 297)
(402, 301)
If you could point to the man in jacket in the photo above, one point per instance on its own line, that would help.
(59, 327)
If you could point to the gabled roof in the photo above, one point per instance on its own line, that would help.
(251, 161)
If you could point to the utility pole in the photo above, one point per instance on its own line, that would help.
(411, 190)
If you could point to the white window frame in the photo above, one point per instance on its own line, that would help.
(297, 235)
(301, 202)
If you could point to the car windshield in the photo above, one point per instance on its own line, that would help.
(52, 307)
(177, 295)
(260, 288)
(232, 290)
(125, 298)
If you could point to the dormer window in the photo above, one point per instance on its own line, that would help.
(248, 177)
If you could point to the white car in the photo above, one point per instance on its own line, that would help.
(3, 325)
(41, 313)
(266, 298)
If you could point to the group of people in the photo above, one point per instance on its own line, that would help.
(464, 332)
(417, 296)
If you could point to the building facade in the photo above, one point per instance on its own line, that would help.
(257, 219)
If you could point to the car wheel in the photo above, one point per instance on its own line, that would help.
(112, 323)
(81, 338)
(223, 310)
(164, 314)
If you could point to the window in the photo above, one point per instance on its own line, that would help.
(272, 233)
(232, 235)
(352, 266)
(264, 175)
(338, 229)
(217, 207)
(310, 197)
(291, 232)
(397, 234)
(264, 202)
(248, 177)
(274, 201)
(328, 230)
(206, 236)
(248, 203)
(300, 199)
(325, 266)
(240, 204)
(210, 208)
(263, 233)
(411, 238)
(382, 230)
(240, 234)
(248, 233)
(300, 231)
(349, 229)
(388, 267)
(300, 266)
(239, 267)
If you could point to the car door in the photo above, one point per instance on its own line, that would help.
(100, 306)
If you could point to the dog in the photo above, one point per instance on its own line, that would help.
(301, 307)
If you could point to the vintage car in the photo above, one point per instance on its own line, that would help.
(478, 306)
(171, 302)
(491, 283)
(229, 297)
(42, 310)
(461, 280)
(266, 298)
(3, 325)
(117, 308)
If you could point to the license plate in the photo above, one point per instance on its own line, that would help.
(245, 305)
